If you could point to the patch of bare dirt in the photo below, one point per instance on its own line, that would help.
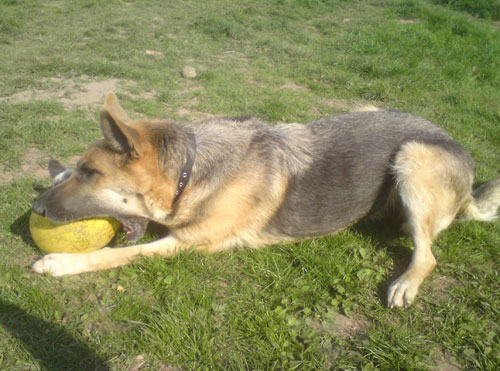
(34, 164)
(82, 92)
(154, 53)
(343, 104)
(441, 285)
(407, 21)
(71, 163)
(293, 86)
(347, 327)
(169, 367)
(90, 93)
(192, 115)
(335, 103)
(444, 362)
(342, 326)
(188, 112)
(363, 107)
(137, 363)
(316, 112)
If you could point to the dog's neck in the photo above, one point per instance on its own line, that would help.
(186, 169)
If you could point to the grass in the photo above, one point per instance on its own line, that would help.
(318, 304)
(481, 8)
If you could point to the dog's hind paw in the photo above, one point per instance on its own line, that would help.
(59, 264)
(402, 292)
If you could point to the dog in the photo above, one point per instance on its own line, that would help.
(228, 183)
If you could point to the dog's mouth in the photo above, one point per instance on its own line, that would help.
(135, 227)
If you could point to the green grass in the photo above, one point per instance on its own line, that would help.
(283, 307)
(481, 8)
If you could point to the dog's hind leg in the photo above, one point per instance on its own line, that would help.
(61, 264)
(433, 184)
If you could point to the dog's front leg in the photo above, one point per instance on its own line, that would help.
(61, 264)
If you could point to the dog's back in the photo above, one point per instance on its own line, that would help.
(350, 171)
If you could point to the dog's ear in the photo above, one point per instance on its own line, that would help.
(58, 172)
(55, 168)
(120, 137)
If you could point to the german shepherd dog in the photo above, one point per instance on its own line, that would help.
(226, 183)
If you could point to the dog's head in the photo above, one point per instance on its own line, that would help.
(129, 175)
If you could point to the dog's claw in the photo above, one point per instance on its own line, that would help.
(59, 264)
(401, 293)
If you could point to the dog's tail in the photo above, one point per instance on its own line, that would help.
(484, 203)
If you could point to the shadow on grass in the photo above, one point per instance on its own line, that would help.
(386, 235)
(21, 227)
(50, 344)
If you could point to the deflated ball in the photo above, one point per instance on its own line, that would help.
(79, 236)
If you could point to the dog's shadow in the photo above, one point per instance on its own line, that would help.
(20, 227)
(386, 235)
(51, 345)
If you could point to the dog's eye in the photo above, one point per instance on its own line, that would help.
(88, 172)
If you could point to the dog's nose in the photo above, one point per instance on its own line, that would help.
(39, 208)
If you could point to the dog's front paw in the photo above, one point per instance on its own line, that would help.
(59, 264)
(402, 292)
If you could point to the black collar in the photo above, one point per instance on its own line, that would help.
(186, 169)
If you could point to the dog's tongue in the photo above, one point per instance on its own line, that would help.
(135, 227)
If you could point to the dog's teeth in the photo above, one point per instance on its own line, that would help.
(129, 232)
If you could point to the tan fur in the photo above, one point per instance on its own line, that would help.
(432, 190)
(235, 215)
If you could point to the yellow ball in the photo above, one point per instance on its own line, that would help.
(79, 236)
